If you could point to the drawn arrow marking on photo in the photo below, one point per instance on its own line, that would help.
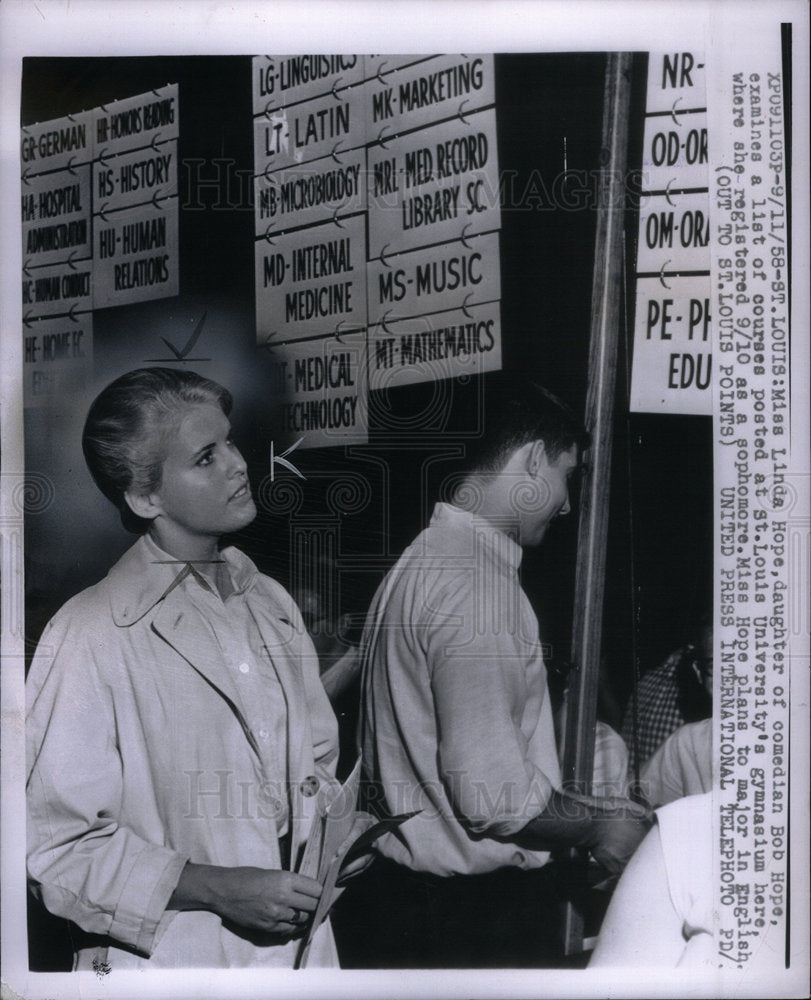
(282, 460)
(667, 193)
(662, 274)
(673, 112)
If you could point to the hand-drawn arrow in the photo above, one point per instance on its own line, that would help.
(182, 354)
(673, 112)
(383, 319)
(662, 273)
(667, 193)
(282, 460)
(335, 93)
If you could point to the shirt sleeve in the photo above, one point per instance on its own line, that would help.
(83, 864)
(479, 655)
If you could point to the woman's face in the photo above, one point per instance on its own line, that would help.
(204, 490)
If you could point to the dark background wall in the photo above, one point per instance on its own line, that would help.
(363, 504)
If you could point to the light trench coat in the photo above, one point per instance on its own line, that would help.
(140, 758)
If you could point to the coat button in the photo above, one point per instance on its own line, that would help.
(309, 786)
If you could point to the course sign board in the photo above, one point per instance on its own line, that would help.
(672, 362)
(377, 217)
(99, 209)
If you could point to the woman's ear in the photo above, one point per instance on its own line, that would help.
(143, 505)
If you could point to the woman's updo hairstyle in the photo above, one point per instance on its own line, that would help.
(129, 425)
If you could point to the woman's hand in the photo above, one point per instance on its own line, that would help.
(269, 900)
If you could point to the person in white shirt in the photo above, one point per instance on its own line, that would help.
(456, 718)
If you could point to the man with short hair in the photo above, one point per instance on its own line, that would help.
(456, 718)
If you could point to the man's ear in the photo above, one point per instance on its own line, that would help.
(143, 505)
(536, 457)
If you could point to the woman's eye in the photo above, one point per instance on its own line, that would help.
(205, 459)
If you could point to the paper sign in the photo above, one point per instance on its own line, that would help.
(672, 366)
(674, 153)
(313, 192)
(672, 363)
(325, 389)
(57, 358)
(56, 216)
(435, 278)
(146, 120)
(56, 144)
(284, 80)
(134, 178)
(136, 254)
(439, 88)
(312, 282)
(326, 126)
(434, 185)
(429, 348)
(59, 289)
(674, 233)
(676, 82)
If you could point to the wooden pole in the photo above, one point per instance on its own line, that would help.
(606, 297)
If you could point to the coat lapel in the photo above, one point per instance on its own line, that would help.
(193, 638)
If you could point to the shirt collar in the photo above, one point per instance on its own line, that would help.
(505, 549)
(145, 575)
